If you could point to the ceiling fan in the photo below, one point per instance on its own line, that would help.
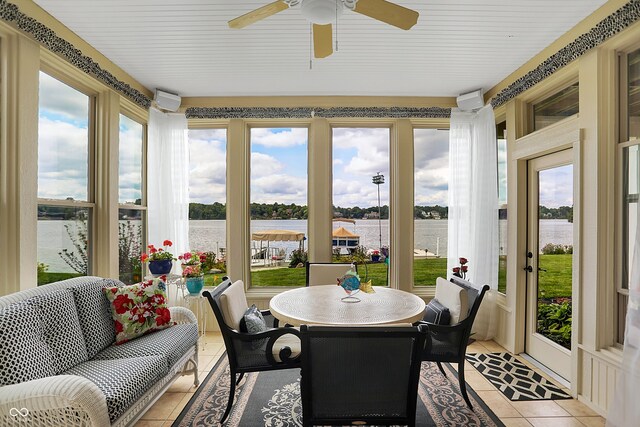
(321, 13)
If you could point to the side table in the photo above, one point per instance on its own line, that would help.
(197, 300)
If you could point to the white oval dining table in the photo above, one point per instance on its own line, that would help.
(322, 305)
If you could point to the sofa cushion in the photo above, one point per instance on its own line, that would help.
(94, 313)
(233, 303)
(123, 381)
(62, 330)
(171, 343)
(24, 356)
(454, 298)
(138, 309)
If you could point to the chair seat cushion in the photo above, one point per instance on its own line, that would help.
(454, 298)
(123, 381)
(171, 343)
(437, 313)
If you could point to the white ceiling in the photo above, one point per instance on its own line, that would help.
(185, 46)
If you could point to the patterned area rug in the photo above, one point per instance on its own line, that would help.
(515, 379)
(273, 399)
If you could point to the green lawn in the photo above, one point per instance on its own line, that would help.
(555, 282)
(46, 277)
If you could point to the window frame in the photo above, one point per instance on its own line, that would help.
(414, 286)
(90, 203)
(623, 141)
(248, 126)
(142, 207)
(531, 123)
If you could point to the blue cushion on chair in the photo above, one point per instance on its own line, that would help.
(252, 321)
(437, 313)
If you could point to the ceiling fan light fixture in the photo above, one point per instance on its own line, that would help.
(321, 11)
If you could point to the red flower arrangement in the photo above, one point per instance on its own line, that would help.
(462, 270)
(158, 254)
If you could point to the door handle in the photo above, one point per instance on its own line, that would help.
(528, 268)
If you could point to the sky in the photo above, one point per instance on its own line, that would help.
(63, 141)
(278, 160)
(556, 186)
(130, 160)
(63, 145)
(431, 167)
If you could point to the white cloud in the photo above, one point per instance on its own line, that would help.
(207, 166)
(556, 187)
(431, 167)
(58, 98)
(130, 160)
(279, 188)
(63, 153)
(264, 165)
(283, 138)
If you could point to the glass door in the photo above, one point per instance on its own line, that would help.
(550, 261)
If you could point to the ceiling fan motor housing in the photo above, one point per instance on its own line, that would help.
(321, 11)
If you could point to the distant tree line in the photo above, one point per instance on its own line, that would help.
(200, 211)
(563, 212)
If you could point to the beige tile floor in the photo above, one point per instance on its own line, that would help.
(546, 413)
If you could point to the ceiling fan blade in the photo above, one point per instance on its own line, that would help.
(256, 15)
(390, 13)
(322, 40)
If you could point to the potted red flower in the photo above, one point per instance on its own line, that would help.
(160, 259)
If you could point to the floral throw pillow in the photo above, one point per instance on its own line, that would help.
(138, 309)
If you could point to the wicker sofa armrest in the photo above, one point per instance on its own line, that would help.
(67, 400)
(182, 315)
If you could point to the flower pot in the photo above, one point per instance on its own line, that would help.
(195, 285)
(375, 258)
(160, 267)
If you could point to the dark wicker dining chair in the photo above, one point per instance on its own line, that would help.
(360, 375)
(275, 348)
(449, 342)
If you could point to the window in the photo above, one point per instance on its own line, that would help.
(501, 130)
(630, 179)
(65, 205)
(556, 107)
(208, 199)
(361, 196)
(278, 206)
(132, 213)
(430, 212)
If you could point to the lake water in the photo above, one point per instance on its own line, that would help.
(210, 235)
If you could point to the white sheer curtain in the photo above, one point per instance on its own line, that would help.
(473, 206)
(625, 410)
(168, 181)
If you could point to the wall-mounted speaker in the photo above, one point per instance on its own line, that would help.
(167, 101)
(470, 101)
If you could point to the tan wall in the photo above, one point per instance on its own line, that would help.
(596, 357)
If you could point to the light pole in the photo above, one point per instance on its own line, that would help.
(377, 180)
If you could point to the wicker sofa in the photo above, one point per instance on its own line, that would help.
(58, 364)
